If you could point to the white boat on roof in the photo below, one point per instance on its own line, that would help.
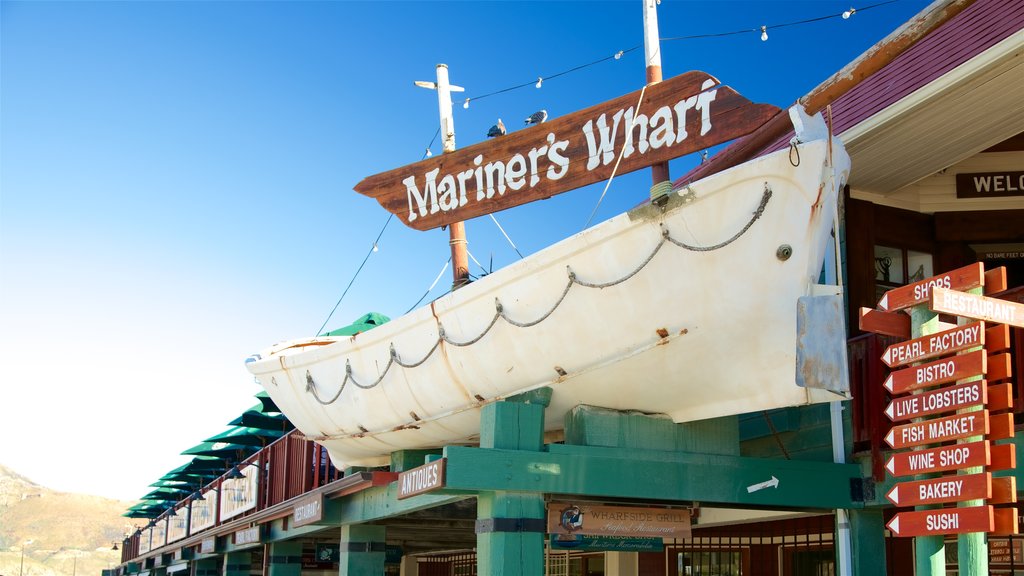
(689, 310)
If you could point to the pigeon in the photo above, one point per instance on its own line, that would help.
(496, 130)
(537, 117)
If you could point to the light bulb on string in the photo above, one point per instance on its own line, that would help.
(848, 13)
(375, 249)
(618, 55)
(540, 82)
(429, 153)
(466, 104)
(764, 33)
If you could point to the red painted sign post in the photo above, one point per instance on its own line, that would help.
(938, 401)
(939, 371)
(942, 521)
(942, 490)
(940, 459)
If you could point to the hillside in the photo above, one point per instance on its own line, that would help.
(68, 534)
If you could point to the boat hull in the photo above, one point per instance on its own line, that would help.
(688, 310)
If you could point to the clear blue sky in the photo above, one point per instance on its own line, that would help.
(176, 184)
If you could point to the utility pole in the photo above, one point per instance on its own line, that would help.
(652, 51)
(456, 230)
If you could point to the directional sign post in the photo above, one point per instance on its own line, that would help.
(939, 459)
(978, 307)
(936, 372)
(952, 427)
(965, 278)
(926, 347)
(942, 490)
(942, 521)
(938, 401)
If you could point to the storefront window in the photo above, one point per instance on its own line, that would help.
(898, 266)
(711, 563)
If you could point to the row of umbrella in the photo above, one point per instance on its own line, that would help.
(250, 432)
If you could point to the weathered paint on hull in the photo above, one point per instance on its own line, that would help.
(693, 334)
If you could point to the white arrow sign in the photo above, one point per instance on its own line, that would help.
(884, 302)
(894, 526)
(894, 494)
(773, 483)
(888, 383)
(891, 465)
(890, 438)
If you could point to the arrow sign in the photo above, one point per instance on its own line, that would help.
(978, 307)
(939, 459)
(966, 278)
(942, 490)
(955, 340)
(937, 372)
(939, 430)
(942, 521)
(773, 483)
(937, 401)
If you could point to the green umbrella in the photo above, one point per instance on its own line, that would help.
(267, 402)
(248, 436)
(222, 450)
(362, 324)
(255, 418)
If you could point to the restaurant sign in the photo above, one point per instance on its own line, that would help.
(606, 543)
(666, 120)
(566, 518)
(308, 510)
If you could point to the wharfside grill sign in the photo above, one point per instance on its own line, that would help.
(681, 115)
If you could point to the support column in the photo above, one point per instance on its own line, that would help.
(285, 558)
(929, 551)
(361, 552)
(206, 567)
(409, 566)
(238, 563)
(510, 526)
(867, 534)
(621, 564)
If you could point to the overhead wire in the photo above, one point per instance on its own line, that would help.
(373, 248)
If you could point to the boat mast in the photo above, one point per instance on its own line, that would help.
(456, 230)
(652, 50)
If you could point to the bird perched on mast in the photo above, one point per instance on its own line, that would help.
(537, 117)
(496, 130)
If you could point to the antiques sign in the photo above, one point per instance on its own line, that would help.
(423, 479)
(681, 115)
(568, 518)
(989, 184)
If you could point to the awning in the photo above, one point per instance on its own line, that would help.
(248, 436)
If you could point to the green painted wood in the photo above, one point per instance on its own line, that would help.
(363, 562)
(540, 396)
(972, 549)
(238, 563)
(867, 535)
(653, 475)
(207, 567)
(284, 558)
(753, 425)
(510, 553)
(594, 426)
(512, 426)
(382, 502)
(402, 460)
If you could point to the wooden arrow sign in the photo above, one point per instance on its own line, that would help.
(888, 323)
(942, 490)
(676, 117)
(966, 278)
(978, 307)
(937, 372)
(942, 521)
(940, 344)
(937, 401)
(939, 459)
(952, 427)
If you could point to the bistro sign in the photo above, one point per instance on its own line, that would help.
(681, 115)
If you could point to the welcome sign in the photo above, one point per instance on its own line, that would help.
(681, 115)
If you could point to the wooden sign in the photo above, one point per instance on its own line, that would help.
(942, 521)
(942, 343)
(594, 520)
(887, 323)
(939, 459)
(249, 535)
(966, 278)
(308, 510)
(423, 479)
(937, 401)
(676, 117)
(952, 427)
(978, 307)
(208, 545)
(989, 184)
(942, 490)
(937, 372)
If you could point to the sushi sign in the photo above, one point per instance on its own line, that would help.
(666, 120)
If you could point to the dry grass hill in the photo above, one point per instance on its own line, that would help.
(67, 534)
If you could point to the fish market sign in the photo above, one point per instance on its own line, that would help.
(681, 115)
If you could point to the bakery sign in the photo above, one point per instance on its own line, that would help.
(675, 117)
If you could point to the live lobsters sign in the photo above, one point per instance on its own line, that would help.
(676, 117)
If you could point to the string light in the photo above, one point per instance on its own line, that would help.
(848, 13)
(540, 82)
(466, 104)
(764, 33)
(618, 55)
(428, 154)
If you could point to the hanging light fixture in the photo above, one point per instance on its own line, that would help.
(466, 104)
(540, 81)
(764, 33)
(848, 13)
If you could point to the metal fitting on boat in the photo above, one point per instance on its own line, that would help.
(784, 252)
(660, 192)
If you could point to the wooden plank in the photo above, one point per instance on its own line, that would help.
(887, 323)
(1000, 397)
(1000, 367)
(953, 427)
(936, 372)
(946, 342)
(977, 307)
(1005, 522)
(995, 280)
(940, 459)
(678, 116)
(1004, 490)
(966, 278)
(937, 401)
(942, 521)
(1002, 457)
(997, 338)
(422, 479)
(1000, 426)
(958, 488)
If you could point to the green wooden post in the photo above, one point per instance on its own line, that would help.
(238, 563)
(285, 558)
(206, 567)
(867, 531)
(929, 551)
(511, 525)
(361, 551)
(972, 549)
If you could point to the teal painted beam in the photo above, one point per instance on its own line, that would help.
(382, 502)
(654, 475)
